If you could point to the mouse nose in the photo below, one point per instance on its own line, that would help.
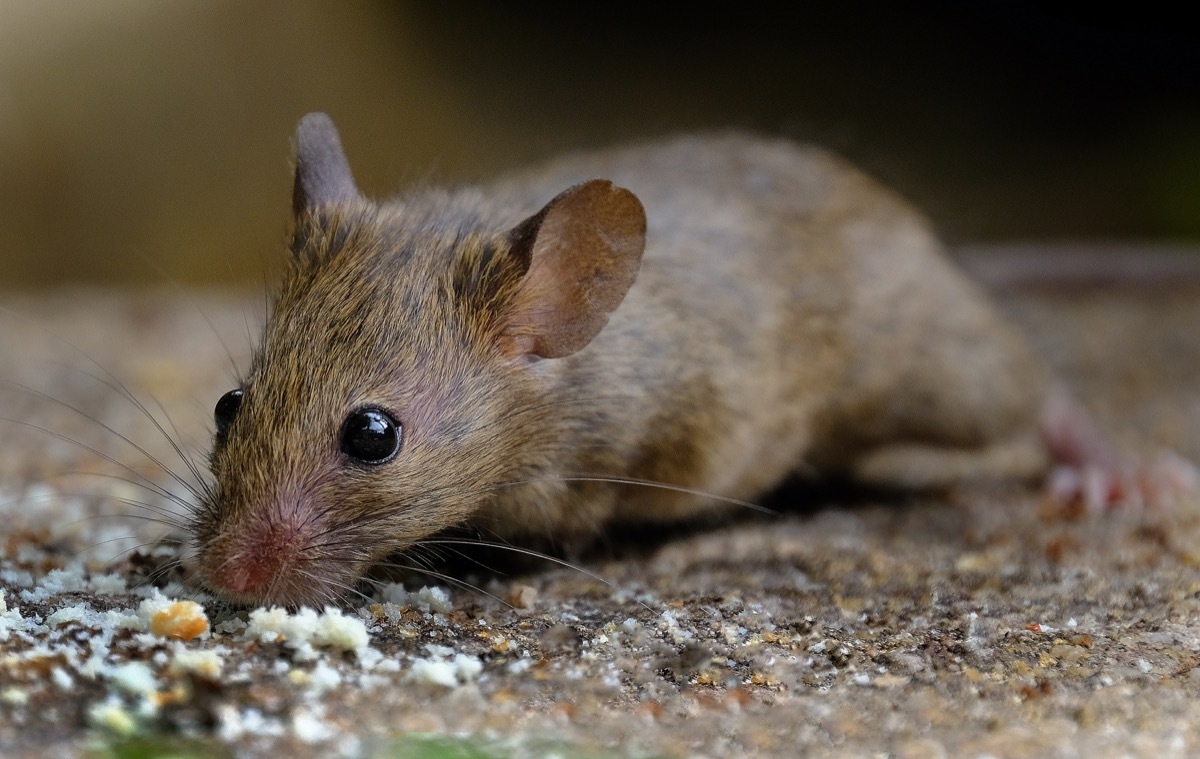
(257, 561)
(247, 577)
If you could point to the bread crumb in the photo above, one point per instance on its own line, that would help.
(467, 667)
(324, 677)
(522, 596)
(309, 728)
(60, 677)
(10, 619)
(341, 632)
(64, 615)
(427, 599)
(134, 677)
(113, 717)
(205, 663)
(435, 672)
(435, 599)
(14, 696)
(266, 625)
(109, 585)
(182, 620)
(230, 626)
(452, 673)
(306, 628)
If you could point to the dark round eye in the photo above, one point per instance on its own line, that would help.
(226, 410)
(371, 436)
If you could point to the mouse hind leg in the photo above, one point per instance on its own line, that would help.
(1083, 470)
(1091, 474)
(947, 408)
(920, 466)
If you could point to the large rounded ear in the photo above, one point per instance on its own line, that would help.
(322, 173)
(581, 254)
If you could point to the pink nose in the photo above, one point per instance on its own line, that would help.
(246, 576)
(256, 562)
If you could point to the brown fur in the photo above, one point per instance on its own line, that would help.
(789, 316)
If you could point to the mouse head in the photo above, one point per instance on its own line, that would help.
(401, 380)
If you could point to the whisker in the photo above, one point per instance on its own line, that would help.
(187, 461)
(110, 562)
(673, 488)
(645, 483)
(190, 298)
(536, 555)
(424, 546)
(162, 572)
(323, 583)
(188, 507)
(113, 384)
(434, 496)
(425, 556)
(150, 484)
(165, 469)
(140, 517)
(51, 497)
(440, 576)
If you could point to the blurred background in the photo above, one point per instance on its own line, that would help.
(141, 139)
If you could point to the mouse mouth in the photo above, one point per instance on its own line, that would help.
(280, 565)
(290, 585)
(314, 595)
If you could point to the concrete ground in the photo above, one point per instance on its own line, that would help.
(980, 624)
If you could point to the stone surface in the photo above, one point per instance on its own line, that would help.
(981, 624)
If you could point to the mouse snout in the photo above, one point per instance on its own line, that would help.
(256, 560)
(269, 562)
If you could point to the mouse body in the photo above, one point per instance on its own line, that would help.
(714, 314)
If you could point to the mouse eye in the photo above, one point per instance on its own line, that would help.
(226, 410)
(371, 436)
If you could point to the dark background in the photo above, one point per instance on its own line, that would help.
(141, 140)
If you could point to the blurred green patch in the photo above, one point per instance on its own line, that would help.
(440, 747)
(406, 747)
(164, 747)
(1170, 189)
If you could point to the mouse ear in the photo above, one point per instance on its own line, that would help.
(322, 173)
(581, 254)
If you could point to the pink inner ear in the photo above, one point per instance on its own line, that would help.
(585, 256)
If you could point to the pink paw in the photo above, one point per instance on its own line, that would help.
(1092, 476)
(1088, 489)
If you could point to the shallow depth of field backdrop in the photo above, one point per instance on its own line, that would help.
(147, 142)
(141, 140)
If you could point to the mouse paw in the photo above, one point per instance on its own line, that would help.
(1090, 489)
(1093, 476)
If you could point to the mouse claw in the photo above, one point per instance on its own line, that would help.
(1090, 490)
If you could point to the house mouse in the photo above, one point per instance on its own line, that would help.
(635, 335)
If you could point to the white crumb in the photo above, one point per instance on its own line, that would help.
(323, 677)
(205, 663)
(309, 728)
(61, 679)
(307, 629)
(112, 716)
(450, 673)
(427, 600)
(134, 677)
